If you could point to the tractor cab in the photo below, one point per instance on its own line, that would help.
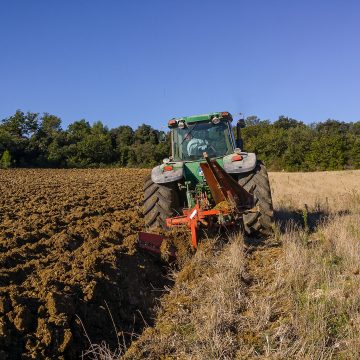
(194, 136)
(210, 133)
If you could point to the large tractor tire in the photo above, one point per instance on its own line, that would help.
(258, 223)
(161, 201)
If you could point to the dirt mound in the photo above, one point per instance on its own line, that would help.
(67, 261)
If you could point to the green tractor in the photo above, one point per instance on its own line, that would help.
(179, 184)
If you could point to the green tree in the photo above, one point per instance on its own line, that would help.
(56, 155)
(299, 140)
(93, 146)
(353, 151)
(286, 123)
(253, 136)
(78, 130)
(144, 154)
(252, 120)
(326, 153)
(21, 124)
(15, 134)
(332, 127)
(5, 161)
(145, 134)
(48, 136)
(122, 136)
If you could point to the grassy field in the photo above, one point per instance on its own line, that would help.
(293, 296)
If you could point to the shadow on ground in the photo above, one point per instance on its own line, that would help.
(286, 218)
(126, 300)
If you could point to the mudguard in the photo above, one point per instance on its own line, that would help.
(247, 163)
(159, 176)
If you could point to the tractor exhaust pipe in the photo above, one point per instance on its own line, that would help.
(239, 141)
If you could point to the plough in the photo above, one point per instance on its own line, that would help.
(230, 202)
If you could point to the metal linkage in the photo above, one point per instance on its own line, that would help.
(192, 218)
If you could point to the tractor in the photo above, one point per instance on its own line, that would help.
(209, 181)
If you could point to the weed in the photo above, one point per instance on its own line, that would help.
(305, 214)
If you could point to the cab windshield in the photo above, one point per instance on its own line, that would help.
(191, 142)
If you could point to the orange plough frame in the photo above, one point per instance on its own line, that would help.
(193, 218)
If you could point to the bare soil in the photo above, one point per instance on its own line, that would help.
(67, 261)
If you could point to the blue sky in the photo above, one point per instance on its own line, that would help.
(135, 61)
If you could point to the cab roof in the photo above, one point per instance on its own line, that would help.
(200, 118)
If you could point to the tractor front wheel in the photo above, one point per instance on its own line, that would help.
(260, 222)
(161, 201)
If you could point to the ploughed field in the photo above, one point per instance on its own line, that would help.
(67, 261)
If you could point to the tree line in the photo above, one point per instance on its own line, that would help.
(31, 140)
(34, 140)
(291, 145)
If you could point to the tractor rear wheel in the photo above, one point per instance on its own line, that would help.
(259, 223)
(161, 201)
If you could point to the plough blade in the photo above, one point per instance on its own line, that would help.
(152, 242)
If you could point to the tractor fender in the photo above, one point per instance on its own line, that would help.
(160, 176)
(247, 164)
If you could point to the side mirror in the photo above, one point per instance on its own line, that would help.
(239, 141)
(241, 123)
(161, 136)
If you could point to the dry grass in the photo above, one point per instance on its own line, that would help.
(296, 296)
(306, 305)
(320, 274)
(326, 190)
(204, 304)
(317, 281)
